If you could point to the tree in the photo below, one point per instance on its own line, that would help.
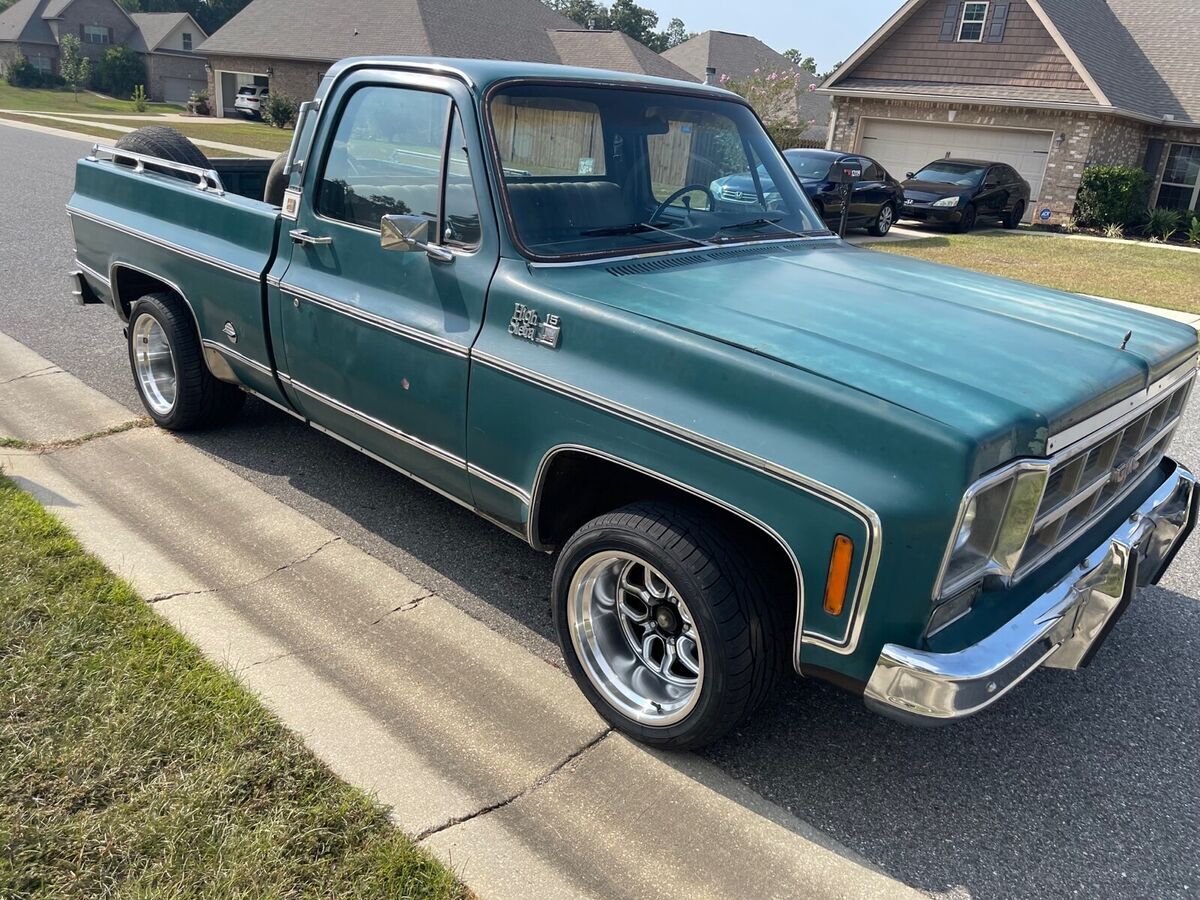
(75, 69)
(120, 71)
(805, 62)
(772, 94)
(625, 16)
(677, 33)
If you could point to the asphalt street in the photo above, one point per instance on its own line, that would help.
(1077, 785)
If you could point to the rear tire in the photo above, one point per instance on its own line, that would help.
(632, 583)
(1014, 218)
(169, 371)
(883, 222)
(164, 143)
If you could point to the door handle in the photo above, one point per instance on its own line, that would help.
(301, 236)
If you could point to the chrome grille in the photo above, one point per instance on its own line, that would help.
(1086, 483)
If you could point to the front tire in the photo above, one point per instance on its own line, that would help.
(665, 625)
(169, 371)
(967, 222)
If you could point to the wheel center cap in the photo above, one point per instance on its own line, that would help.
(666, 619)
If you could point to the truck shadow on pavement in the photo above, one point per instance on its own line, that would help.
(1076, 784)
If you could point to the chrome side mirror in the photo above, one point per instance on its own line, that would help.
(405, 233)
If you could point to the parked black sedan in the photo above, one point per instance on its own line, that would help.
(960, 191)
(874, 204)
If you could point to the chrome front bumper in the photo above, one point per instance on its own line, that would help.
(1061, 629)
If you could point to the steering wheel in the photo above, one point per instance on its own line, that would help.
(686, 189)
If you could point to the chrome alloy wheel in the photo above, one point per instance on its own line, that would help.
(154, 364)
(886, 219)
(635, 638)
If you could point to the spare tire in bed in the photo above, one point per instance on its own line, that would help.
(277, 182)
(164, 143)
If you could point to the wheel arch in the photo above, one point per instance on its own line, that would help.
(558, 506)
(128, 282)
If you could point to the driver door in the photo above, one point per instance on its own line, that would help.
(376, 341)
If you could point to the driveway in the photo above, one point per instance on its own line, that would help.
(1079, 784)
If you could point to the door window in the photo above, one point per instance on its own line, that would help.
(462, 208)
(386, 157)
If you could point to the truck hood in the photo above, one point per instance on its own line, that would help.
(1005, 363)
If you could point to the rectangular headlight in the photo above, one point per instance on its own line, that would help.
(994, 522)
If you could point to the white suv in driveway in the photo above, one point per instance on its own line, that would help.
(250, 99)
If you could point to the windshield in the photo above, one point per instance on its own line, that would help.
(601, 171)
(807, 167)
(961, 174)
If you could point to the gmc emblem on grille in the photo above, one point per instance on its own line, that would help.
(1122, 472)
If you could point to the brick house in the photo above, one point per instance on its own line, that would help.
(288, 44)
(737, 56)
(1050, 87)
(174, 68)
(32, 28)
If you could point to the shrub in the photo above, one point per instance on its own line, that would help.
(787, 136)
(1163, 223)
(1114, 230)
(120, 70)
(1111, 195)
(139, 98)
(22, 74)
(1193, 231)
(279, 111)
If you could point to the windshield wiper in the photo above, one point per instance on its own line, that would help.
(638, 228)
(763, 220)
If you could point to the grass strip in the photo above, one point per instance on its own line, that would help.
(1155, 276)
(132, 767)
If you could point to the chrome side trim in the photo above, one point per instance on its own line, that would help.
(238, 357)
(96, 276)
(539, 480)
(1126, 408)
(168, 245)
(275, 403)
(421, 481)
(498, 482)
(369, 318)
(390, 431)
(867, 516)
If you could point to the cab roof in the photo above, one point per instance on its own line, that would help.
(480, 74)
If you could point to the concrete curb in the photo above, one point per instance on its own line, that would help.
(488, 755)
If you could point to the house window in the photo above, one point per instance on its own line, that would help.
(187, 40)
(1180, 187)
(97, 34)
(42, 64)
(970, 29)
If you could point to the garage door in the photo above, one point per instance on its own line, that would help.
(179, 90)
(907, 146)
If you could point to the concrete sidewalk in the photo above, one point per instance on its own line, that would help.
(107, 132)
(491, 757)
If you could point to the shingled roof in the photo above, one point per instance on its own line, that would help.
(27, 21)
(735, 55)
(1135, 56)
(155, 27)
(484, 29)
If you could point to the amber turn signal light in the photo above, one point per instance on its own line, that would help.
(839, 574)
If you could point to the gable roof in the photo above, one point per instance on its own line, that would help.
(1135, 57)
(612, 50)
(23, 22)
(156, 27)
(27, 21)
(525, 30)
(732, 54)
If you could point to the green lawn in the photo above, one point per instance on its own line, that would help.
(130, 766)
(1151, 275)
(244, 134)
(38, 100)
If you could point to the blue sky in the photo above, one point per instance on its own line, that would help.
(828, 31)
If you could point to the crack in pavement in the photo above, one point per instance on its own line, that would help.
(159, 598)
(524, 792)
(45, 447)
(45, 370)
(405, 607)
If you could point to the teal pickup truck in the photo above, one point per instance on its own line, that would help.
(753, 447)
